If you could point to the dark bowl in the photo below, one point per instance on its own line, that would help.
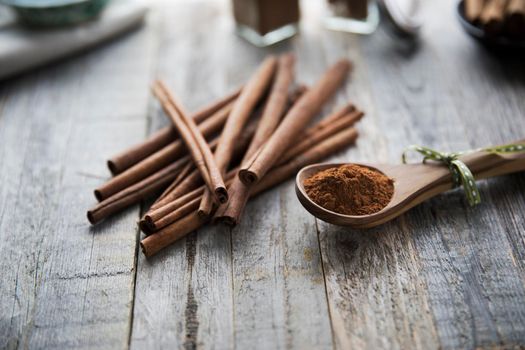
(498, 42)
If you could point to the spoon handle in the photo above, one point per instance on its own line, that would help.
(485, 164)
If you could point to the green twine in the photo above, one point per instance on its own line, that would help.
(461, 174)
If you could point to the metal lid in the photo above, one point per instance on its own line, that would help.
(402, 15)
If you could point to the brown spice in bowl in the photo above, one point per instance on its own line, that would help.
(350, 189)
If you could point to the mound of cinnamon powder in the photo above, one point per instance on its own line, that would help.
(350, 189)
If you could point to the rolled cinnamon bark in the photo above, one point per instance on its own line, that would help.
(207, 111)
(193, 180)
(163, 137)
(473, 9)
(516, 18)
(231, 212)
(135, 154)
(242, 109)
(136, 192)
(295, 121)
(195, 142)
(276, 104)
(169, 210)
(172, 207)
(184, 173)
(340, 112)
(159, 159)
(322, 150)
(321, 133)
(189, 206)
(172, 211)
(152, 244)
(271, 116)
(141, 190)
(492, 16)
(296, 94)
(206, 205)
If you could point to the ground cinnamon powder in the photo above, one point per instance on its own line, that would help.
(350, 189)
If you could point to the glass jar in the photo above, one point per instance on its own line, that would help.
(355, 16)
(266, 22)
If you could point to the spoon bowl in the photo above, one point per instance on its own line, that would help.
(413, 184)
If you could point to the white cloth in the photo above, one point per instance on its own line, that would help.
(23, 48)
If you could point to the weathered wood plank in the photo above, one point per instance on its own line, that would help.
(63, 284)
(279, 293)
(461, 274)
(442, 276)
(184, 295)
(376, 294)
(225, 303)
(484, 303)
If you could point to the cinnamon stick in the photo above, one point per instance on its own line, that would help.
(337, 114)
(239, 192)
(231, 212)
(516, 18)
(163, 137)
(184, 173)
(193, 180)
(492, 16)
(161, 158)
(136, 192)
(243, 107)
(322, 150)
(140, 190)
(276, 104)
(172, 211)
(320, 133)
(155, 182)
(152, 244)
(172, 208)
(184, 209)
(296, 119)
(206, 205)
(473, 9)
(195, 142)
(135, 154)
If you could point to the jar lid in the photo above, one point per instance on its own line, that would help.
(402, 15)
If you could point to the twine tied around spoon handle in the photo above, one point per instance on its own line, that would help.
(461, 174)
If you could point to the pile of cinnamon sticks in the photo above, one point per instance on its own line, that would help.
(498, 17)
(210, 163)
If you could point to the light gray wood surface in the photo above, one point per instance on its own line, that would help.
(443, 276)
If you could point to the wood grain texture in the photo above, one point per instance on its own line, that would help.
(63, 284)
(480, 244)
(278, 293)
(462, 260)
(184, 295)
(376, 293)
(227, 301)
(442, 276)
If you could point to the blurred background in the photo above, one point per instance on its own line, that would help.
(36, 32)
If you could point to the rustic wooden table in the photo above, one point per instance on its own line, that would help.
(442, 276)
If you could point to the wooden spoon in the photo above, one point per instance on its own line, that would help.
(413, 184)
